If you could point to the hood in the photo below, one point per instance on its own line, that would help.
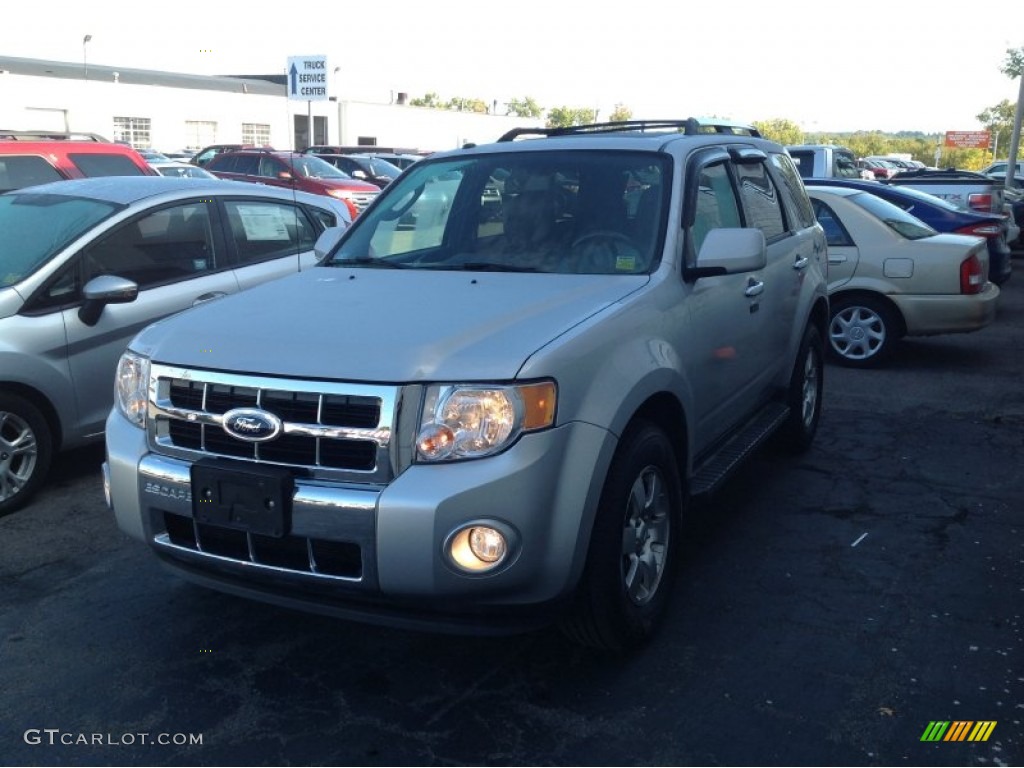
(383, 325)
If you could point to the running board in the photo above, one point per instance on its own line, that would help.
(719, 465)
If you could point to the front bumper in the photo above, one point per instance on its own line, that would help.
(378, 552)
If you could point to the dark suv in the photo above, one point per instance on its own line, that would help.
(25, 163)
(378, 172)
(293, 170)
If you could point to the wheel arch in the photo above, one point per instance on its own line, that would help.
(42, 403)
(847, 294)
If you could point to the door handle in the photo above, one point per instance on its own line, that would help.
(208, 297)
(754, 288)
(837, 259)
(801, 262)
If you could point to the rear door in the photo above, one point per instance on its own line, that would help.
(268, 238)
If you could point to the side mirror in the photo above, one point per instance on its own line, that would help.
(327, 241)
(359, 174)
(727, 251)
(285, 175)
(103, 290)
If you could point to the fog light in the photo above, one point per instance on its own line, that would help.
(478, 548)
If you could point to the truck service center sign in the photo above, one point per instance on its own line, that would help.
(967, 139)
(307, 78)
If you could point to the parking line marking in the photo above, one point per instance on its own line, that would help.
(859, 539)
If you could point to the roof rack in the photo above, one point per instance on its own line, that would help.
(690, 126)
(51, 135)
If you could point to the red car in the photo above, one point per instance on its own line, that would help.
(27, 162)
(293, 170)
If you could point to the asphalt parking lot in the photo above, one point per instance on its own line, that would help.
(831, 608)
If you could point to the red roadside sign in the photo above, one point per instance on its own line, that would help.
(968, 139)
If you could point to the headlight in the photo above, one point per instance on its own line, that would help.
(469, 421)
(132, 387)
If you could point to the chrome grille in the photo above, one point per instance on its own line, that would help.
(336, 431)
(362, 199)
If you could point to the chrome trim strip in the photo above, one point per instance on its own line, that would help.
(162, 540)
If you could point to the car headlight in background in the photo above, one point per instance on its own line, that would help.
(470, 421)
(131, 386)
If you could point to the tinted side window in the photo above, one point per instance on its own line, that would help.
(105, 165)
(264, 230)
(760, 201)
(804, 162)
(17, 171)
(248, 164)
(163, 246)
(794, 188)
(835, 233)
(716, 205)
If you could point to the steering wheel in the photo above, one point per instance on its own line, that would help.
(609, 234)
(602, 261)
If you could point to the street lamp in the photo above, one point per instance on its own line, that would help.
(85, 58)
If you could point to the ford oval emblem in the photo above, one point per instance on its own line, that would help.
(252, 425)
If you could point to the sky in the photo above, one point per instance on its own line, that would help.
(887, 65)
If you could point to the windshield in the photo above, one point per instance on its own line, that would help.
(38, 226)
(306, 166)
(898, 220)
(567, 212)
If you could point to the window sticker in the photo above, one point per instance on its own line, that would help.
(262, 222)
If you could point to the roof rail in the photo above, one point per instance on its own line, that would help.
(690, 126)
(51, 135)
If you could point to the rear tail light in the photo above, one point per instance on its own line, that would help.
(980, 230)
(980, 201)
(971, 278)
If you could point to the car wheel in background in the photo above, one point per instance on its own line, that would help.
(25, 451)
(862, 330)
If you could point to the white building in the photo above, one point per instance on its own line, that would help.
(170, 112)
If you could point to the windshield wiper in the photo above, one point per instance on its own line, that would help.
(366, 261)
(490, 266)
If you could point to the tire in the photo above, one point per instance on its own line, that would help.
(26, 447)
(862, 331)
(804, 396)
(634, 547)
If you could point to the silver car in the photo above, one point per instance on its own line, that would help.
(85, 264)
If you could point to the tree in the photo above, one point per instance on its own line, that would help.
(462, 104)
(999, 121)
(1013, 67)
(780, 130)
(428, 100)
(563, 117)
(525, 107)
(621, 112)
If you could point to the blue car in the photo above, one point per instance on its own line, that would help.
(942, 217)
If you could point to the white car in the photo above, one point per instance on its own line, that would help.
(181, 169)
(891, 275)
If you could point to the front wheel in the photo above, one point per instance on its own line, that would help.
(634, 547)
(25, 449)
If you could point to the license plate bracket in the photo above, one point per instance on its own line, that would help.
(252, 498)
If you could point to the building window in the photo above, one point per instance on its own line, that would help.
(200, 133)
(257, 134)
(134, 130)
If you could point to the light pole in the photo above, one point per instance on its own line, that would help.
(85, 57)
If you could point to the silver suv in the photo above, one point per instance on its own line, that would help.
(475, 418)
(85, 264)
